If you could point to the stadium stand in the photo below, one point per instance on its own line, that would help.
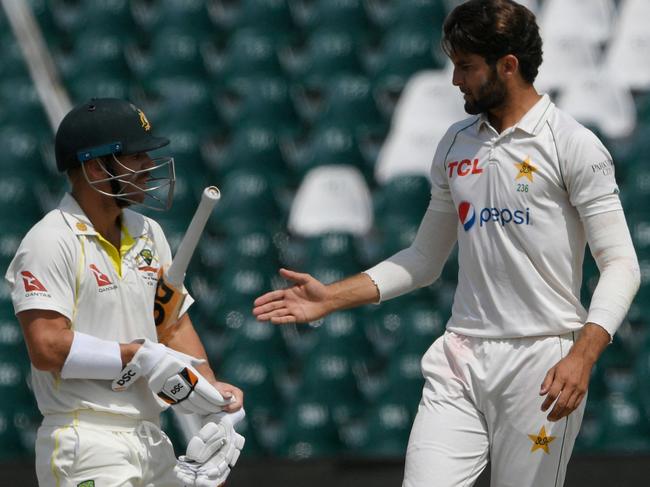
(273, 101)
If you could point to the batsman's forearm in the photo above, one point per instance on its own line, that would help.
(354, 291)
(186, 340)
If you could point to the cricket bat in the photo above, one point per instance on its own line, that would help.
(169, 291)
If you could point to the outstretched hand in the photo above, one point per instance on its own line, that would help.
(303, 302)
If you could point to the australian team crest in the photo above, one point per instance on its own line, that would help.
(147, 256)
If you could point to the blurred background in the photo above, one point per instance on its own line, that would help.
(318, 120)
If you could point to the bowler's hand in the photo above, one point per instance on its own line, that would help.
(305, 301)
(567, 382)
(230, 391)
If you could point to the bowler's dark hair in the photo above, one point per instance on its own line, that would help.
(493, 29)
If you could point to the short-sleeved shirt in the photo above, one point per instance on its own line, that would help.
(64, 265)
(521, 242)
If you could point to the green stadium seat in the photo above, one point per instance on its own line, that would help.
(590, 439)
(325, 146)
(402, 199)
(625, 427)
(171, 53)
(97, 52)
(340, 14)
(241, 284)
(270, 16)
(428, 14)
(22, 111)
(348, 103)
(249, 53)
(259, 101)
(80, 15)
(333, 249)
(309, 431)
(247, 203)
(250, 148)
(409, 324)
(191, 16)
(101, 86)
(257, 377)
(388, 425)
(326, 53)
(404, 51)
(328, 378)
(12, 63)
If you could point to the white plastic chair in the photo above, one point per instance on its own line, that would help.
(333, 198)
(429, 104)
(590, 20)
(564, 60)
(602, 103)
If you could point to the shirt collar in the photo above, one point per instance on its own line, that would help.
(133, 222)
(531, 122)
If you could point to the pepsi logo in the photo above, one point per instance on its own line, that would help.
(467, 214)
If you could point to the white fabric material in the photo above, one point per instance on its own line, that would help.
(212, 452)
(428, 105)
(565, 59)
(74, 448)
(611, 245)
(521, 241)
(599, 101)
(420, 264)
(64, 248)
(172, 377)
(92, 358)
(473, 408)
(586, 19)
(332, 198)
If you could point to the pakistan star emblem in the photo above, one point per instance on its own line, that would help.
(526, 170)
(541, 441)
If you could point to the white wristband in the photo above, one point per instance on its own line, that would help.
(92, 358)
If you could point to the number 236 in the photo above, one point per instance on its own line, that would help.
(522, 188)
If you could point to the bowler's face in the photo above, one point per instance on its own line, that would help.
(480, 83)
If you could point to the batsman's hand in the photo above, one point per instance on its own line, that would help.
(305, 301)
(212, 452)
(566, 385)
(172, 378)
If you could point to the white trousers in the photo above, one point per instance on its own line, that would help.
(92, 449)
(481, 403)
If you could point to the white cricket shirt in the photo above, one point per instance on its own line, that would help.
(64, 265)
(520, 239)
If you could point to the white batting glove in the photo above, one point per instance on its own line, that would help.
(172, 377)
(212, 452)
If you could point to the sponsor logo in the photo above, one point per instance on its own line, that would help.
(86, 483)
(541, 441)
(125, 379)
(31, 283)
(103, 282)
(467, 214)
(503, 216)
(605, 167)
(526, 170)
(464, 167)
(101, 278)
(81, 226)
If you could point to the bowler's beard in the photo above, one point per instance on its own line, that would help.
(491, 94)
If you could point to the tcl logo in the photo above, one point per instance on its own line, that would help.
(464, 167)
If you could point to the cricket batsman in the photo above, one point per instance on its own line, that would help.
(83, 284)
(522, 188)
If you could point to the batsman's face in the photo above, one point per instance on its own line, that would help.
(482, 88)
(134, 169)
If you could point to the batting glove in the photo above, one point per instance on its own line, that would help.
(212, 452)
(172, 378)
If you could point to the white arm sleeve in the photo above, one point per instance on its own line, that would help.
(421, 263)
(611, 245)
